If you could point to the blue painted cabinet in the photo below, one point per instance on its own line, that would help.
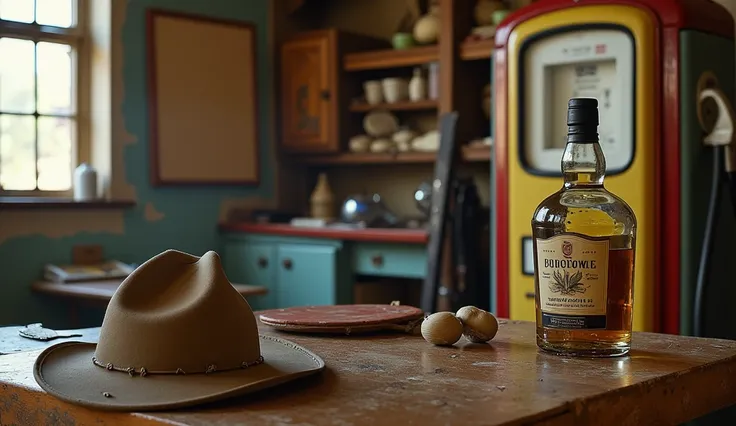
(296, 271)
(254, 264)
(307, 275)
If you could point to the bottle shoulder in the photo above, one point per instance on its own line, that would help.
(590, 211)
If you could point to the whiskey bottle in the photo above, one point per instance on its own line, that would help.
(584, 243)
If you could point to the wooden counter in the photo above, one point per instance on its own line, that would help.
(387, 235)
(401, 379)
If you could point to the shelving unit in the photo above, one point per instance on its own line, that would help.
(325, 104)
(470, 154)
(427, 104)
(390, 58)
(477, 50)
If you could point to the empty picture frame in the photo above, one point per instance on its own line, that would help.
(203, 108)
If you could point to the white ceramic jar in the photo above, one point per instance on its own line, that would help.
(85, 183)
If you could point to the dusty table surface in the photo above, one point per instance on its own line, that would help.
(401, 379)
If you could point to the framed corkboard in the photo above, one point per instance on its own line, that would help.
(202, 100)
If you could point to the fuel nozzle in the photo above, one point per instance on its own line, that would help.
(717, 118)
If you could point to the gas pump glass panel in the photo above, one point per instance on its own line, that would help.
(577, 62)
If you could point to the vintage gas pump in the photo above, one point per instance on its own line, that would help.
(651, 65)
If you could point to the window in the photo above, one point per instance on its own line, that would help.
(40, 41)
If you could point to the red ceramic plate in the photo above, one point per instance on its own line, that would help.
(343, 318)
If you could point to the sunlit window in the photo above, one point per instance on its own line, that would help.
(39, 42)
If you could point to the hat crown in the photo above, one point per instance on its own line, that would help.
(178, 313)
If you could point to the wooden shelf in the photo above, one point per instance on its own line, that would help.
(390, 58)
(370, 158)
(477, 50)
(477, 153)
(470, 154)
(396, 106)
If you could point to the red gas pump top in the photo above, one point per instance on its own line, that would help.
(702, 15)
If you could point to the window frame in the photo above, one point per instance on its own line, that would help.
(77, 38)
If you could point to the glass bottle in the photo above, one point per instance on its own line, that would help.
(584, 251)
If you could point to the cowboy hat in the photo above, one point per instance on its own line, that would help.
(175, 333)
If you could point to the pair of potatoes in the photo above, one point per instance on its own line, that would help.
(446, 328)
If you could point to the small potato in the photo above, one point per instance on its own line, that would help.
(442, 328)
(479, 326)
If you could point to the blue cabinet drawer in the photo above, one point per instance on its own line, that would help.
(252, 264)
(307, 275)
(393, 260)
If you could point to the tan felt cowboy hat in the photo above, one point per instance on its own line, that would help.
(176, 333)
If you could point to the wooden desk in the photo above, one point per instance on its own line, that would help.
(404, 380)
(99, 293)
(102, 291)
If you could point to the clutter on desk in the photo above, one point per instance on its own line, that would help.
(111, 269)
(38, 332)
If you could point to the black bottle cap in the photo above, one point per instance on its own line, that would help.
(582, 120)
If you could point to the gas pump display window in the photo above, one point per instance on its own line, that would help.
(596, 63)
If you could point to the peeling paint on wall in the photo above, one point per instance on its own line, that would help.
(151, 214)
(62, 223)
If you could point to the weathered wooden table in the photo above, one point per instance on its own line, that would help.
(401, 379)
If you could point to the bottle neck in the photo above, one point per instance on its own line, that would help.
(583, 165)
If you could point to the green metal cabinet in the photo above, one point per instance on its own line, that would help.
(296, 271)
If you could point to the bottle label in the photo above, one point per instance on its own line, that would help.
(572, 272)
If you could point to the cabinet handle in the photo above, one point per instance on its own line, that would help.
(262, 262)
(287, 263)
(325, 95)
(530, 295)
(377, 260)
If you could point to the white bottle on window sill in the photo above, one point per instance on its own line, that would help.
(85, 183)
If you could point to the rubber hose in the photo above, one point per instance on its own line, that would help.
(708, 237)
(732, 189)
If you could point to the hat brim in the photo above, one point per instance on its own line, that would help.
(66, 371)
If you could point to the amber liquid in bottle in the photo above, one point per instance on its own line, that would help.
(584, 251)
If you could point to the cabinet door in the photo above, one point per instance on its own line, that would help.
(307, 96)
(306, 275)
(254, 264)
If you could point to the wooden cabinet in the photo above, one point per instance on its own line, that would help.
(308, 94)
(316, 92)
(296, 271)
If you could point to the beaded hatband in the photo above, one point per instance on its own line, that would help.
(132, 371)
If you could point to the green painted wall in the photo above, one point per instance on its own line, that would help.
(191, 214)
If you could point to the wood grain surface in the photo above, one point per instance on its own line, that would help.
(401, 379)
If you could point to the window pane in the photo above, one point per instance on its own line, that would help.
(17, 85)
(17, 152)
(58, 13)
(17, 10)
(55, 137)
(54, 78)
